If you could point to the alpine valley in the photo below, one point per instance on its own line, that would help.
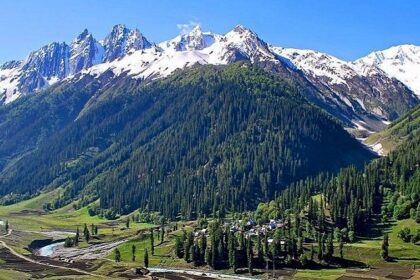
(210, 152)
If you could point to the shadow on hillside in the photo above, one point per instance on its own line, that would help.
(395, 259)
(377, 229)
(345, 263)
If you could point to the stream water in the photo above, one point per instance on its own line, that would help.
(48, 250)
(201, 273)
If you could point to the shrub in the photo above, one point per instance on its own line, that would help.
(405, 234)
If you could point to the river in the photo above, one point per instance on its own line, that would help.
(201, 273)
(48, 250)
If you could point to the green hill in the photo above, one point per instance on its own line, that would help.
(198, 140)
(400, 130)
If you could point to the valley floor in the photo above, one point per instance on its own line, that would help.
(95, 260)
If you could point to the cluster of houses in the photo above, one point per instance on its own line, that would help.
(250, 228)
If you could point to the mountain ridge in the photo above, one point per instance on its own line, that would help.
(365, 98)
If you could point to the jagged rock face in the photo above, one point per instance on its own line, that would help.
(10, 65)
(85, 52)
(49, 61)
(31, 81)
(121, 40)
(56, 61)
(389, 95)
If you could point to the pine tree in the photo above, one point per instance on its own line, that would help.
(203, 247)
(146, 259)
(208, 256)
(384, 249)
(86, 234)
(231, 248)
(300, 246)
(127, 222)
(213, 251)
(187, 247)
(330, 247)
(179, 247)
(260, 253)
(133, 253)
(76, 237)
(312, 252)
(266, 249)
(117, 255)
(195, 254)
(234, 260)
(6, 226)
(294, 248)
(341, 248)
(162, 236)
(320, 247)
(250, 255)
(152, 242)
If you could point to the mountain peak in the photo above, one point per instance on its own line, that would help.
(196, 29)
(196, 39)
(85, 52)
(119, 28)
(241, 28)
(121, 40)
(83, 35)
(241, 32)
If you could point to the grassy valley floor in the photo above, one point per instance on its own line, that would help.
(28, 222)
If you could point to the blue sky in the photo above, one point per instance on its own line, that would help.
(346, 29)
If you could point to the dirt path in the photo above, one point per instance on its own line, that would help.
(2, 243)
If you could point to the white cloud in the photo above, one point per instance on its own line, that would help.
(187, 27)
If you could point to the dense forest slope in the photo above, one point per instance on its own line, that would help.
(389, 138)
(202, 138)
(386, 188)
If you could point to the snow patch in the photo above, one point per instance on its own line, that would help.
(400, 62)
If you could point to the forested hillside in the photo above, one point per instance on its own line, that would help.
(397, 132)
(387, 188)
(27, 122)
(201, 139)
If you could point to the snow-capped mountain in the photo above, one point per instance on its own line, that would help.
(360, 93)
(187, 50)
(401, 62)
(56, 61)
(360, 90)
